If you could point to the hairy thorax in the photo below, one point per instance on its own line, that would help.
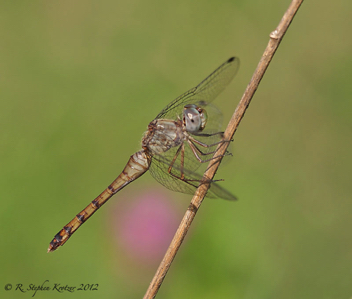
(162, 135)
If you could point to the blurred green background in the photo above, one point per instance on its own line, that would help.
(79, 83)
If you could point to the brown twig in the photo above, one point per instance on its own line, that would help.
(275, 39)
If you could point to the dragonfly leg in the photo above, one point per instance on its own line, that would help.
(181, 177)
(181, 150)
(174, 159)
(208, 145)
(196, 150)
(192, 143)
(212, 134)
(208, 135)
(182, 160)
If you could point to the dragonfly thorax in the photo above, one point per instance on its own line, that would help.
(162, 135)
(194, 118)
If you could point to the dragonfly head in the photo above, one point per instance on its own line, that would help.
(194, 118)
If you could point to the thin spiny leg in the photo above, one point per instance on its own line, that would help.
(182, 161)
(208, 145)
(174, 159)
(185, 180)
(181, 177)
(208, 135)
(181, 150)
(195, 149)
(199, 151)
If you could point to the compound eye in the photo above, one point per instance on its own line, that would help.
(194, 118)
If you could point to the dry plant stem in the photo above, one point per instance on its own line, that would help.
(275, 39)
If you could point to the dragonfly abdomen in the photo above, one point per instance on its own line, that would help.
(137, 165)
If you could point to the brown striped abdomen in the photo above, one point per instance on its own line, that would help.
(137, 165)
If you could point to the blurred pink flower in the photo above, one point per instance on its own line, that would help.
(143, 226)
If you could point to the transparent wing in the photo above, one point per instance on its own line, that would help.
(206, 91)
(200, 95)
(159, 170)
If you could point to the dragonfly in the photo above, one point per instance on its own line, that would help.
(182, 137)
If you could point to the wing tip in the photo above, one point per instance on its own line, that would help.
(234, 60)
